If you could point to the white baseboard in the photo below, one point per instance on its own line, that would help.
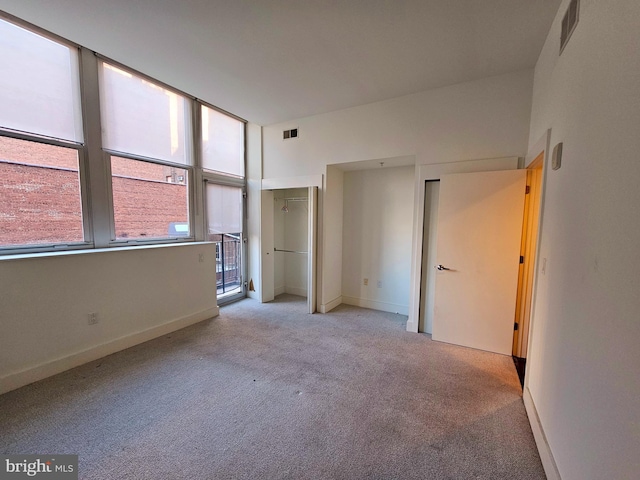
(412, 327)
(278, 291)
(301, 292)
(327, 307)
(548, 462)
(375, 305)
(59, 365)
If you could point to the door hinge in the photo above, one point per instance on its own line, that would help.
(515, 326)
(527, 190)
(521, 259)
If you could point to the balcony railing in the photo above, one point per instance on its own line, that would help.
(228, 262)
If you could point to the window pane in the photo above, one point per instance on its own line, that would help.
(224, 209)
(222, 143)
(224, 218)
(39, 194)
(142, 118)
(39, 85)
(149, 200)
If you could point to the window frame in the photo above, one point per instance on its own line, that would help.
(94, 163)
(223, 177)
(115, 242)
(87, 229)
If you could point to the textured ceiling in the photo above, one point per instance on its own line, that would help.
(274, 60)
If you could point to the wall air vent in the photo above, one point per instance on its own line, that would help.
(569, 22)
(288, 134)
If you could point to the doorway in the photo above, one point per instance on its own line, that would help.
(291, 242)
(429, 235)
(288, 237)
(530, 226)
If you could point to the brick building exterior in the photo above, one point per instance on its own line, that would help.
(40, 195)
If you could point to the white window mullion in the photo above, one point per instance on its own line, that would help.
(98, 184)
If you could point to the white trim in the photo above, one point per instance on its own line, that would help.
(88, 251)
(39, 372)
(434, 172)
(541, 146)
(279, 291)
(546, 455)
(292, 182)
(327, 307)
(376, 305)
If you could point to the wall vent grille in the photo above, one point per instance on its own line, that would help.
(569, 22)
(289, 134)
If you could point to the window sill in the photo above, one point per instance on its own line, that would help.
(89, 251)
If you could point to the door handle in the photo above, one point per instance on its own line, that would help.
(441, 268)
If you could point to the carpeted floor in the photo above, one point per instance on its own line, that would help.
(266, 391)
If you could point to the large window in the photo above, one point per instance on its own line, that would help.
(40, 141)
(40, 192)
(94, 154)
(222, 143)
(150, 200)
(39, 85)
(150, 124)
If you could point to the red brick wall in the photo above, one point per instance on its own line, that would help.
(40, 203)
(145, 208)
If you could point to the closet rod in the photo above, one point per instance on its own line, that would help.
(290, 251)
(293, 199)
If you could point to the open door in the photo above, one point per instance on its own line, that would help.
(267, 244)
(478, 251)
(312, 249)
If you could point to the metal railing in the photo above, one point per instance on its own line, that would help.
(228, 262)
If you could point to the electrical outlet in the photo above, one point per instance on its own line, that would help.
(379, 283)
(366, 281)
(92, 318)
(201, 257)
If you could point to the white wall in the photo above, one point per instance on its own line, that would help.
(254, 207)
(331, 244)
(376, 240)
(584, 361)
(487, 118)
(137, 293)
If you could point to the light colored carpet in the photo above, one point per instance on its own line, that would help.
(266, 391)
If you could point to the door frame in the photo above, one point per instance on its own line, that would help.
(314, 184)
(215, 179)
(540, 148)
(423, 174)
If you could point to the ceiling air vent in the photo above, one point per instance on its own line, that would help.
(287, 134)
(569, 22)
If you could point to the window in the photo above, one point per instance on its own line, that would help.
(39, 85)
(40, 192)
(150, 125)
(40, 141)
(222, 143)
(142, 118)
(224, 220)
(131, 180)
(148, 200)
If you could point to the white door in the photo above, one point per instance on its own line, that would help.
(478, 251)
(267, 245)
